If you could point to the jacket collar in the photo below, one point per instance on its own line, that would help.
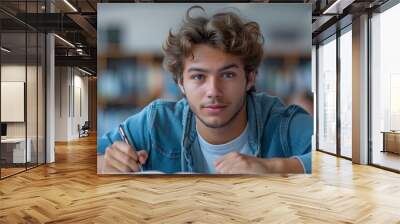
(190, 134)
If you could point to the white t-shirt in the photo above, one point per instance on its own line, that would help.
(213, 152)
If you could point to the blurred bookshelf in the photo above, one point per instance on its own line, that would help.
(128, 80)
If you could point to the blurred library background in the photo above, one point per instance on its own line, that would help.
(130, 72)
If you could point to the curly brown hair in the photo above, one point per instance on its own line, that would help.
(224, 30)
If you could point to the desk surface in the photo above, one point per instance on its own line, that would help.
(390, 132)
(14, 140)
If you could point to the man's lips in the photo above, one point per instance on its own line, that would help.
(215, 108)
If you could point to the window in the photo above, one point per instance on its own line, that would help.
(385, 88)
(346, 92)
(327, 96)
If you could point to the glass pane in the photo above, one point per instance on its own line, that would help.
(31, 100)
(13, 86)
(41, 98)
(327, 96)
(346, 94)
(31, 86)
(386, 89)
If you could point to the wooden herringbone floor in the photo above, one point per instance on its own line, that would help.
(70, 191)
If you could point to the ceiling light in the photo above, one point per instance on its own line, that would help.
(329, 9)
(86, 72)
(70, 5)
(338, 6)
(5, 50)
(65, 41)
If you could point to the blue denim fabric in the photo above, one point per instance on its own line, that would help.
(167, 131)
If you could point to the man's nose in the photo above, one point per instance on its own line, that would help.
(214, 88)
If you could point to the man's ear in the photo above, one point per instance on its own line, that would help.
(180, 83)
(251, 80)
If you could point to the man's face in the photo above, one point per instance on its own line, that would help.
(215, 85)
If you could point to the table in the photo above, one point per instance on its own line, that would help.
(13, 150)
(391, 141)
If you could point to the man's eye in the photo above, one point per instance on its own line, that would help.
(228, 75)
(197, 77)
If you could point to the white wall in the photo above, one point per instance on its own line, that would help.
(70, 83)
(61, 103)
(13, 73)
(80, 98)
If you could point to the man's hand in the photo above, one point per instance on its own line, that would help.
(120, 157)
(236, 163)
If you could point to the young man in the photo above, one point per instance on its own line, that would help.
(221, 125)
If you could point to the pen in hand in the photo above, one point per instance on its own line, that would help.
(125, 138)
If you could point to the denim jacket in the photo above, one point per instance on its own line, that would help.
(167, 131)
